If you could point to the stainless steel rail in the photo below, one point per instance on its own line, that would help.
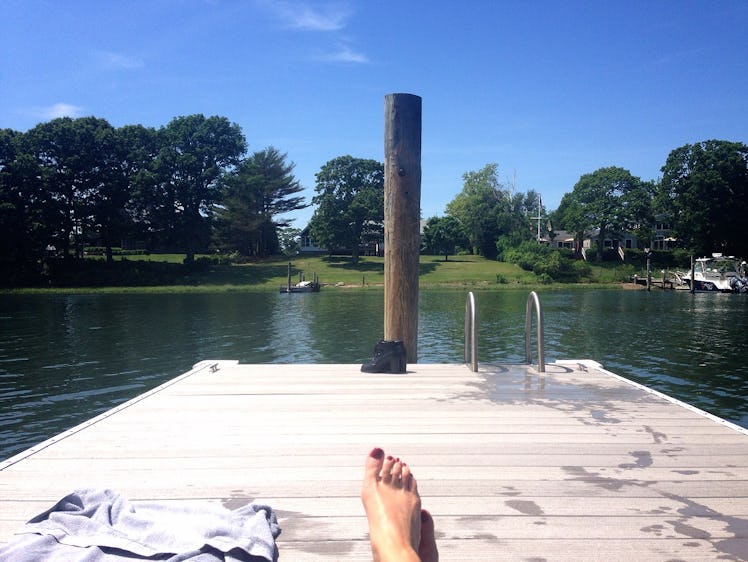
(471, 333)
(534, 301)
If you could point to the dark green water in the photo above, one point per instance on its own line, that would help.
(66, 358)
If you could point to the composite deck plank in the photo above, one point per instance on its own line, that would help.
(513, 464)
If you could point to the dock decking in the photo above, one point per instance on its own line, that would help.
(574, 464)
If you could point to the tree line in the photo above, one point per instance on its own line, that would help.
(702, 194)
(188, 186)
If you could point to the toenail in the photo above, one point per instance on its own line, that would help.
(377, 453)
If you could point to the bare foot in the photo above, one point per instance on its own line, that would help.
(393, 508)
(427, 547)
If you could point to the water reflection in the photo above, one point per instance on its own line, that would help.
(690, 346)
(329, 327)
(65, 358)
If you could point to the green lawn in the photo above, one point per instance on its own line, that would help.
(339, 270)
(166, 273)
(434, 271)
(458, 271)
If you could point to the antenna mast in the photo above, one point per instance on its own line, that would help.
(539, 217)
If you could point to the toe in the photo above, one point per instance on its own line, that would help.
(397, 471)
(387, 468)
(373, 465)
(409, 481)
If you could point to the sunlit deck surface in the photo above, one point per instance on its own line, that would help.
(574, 464)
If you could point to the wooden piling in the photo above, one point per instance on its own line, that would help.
(402, 215)
(693, 275)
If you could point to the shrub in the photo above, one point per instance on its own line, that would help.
(546, 279)
(624, 273)
(581, 269)
(682, 258)
(547, 263)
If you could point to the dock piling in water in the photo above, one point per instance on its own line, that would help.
(402, 215)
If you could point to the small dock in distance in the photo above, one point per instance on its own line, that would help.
(572, 464)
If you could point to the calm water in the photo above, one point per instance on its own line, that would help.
(66, 358)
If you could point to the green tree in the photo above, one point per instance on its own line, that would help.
(608, 200)
(195, 154)
(705, 189)
(515, 220)
(289, 239)
(570, 216)
(442, 236)
(23, 231)
(478, 207)
(140, 147)
(257, 193)
(109, 193)
(643, 209)
(13, 210)
(75, 156)
(350, 199)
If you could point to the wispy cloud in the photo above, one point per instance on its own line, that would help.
(114, 60)
(306, 15)
(344, 54)
(54, 111)
(302, 15)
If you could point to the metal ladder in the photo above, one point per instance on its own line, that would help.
(534, 301)
(471, 332)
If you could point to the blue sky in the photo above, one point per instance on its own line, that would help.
(547, 90)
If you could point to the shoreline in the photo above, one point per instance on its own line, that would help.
(169, 275)
(263, 288)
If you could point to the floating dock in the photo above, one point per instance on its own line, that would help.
(572, 464)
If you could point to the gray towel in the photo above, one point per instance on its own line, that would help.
(102, 526)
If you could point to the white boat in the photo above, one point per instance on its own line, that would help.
(725, 274)
(302, 287)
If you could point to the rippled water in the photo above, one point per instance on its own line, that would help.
(66, 358)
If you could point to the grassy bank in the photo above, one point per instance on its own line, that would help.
(167, 273)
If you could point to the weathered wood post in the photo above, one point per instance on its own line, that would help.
(693, 275)
(402, 215)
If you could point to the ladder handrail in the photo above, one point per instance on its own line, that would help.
(534, 300)
(471, 333)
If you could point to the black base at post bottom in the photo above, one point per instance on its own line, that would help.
(389, 357)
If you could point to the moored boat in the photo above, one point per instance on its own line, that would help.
(725, 274)
(302, 287)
